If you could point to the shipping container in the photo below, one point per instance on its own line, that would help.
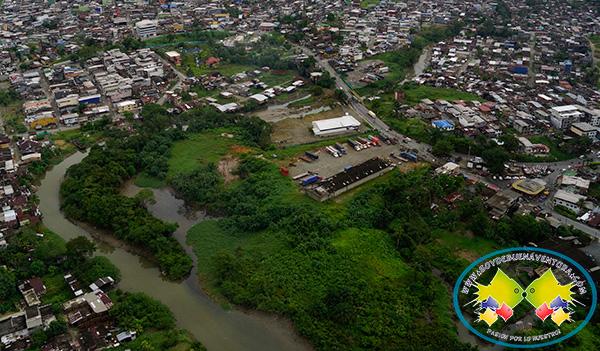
(409, 156)
(310, 180)
(302, 175)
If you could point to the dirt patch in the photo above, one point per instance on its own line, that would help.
(467, 255)
(292, 131)
(239, 149)
(227, 167)
(364, 67)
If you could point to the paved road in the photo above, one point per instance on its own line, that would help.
(363, 111)
(180, 79)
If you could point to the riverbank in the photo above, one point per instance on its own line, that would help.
(216, 328)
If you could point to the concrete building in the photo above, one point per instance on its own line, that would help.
(584, 129)
(146, 28)
(569, 200)
(174, 57)
(563, 117)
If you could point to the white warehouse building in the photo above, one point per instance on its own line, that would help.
(334, 126)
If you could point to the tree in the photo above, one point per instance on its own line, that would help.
(56, 328)
(495, 158)
(579, 145)
(442, 147)
(80, 248)
(139, 311)
(511, 143)
(341, 95)
(97, 267)
(8, 284)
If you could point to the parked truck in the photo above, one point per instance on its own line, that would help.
(409, 156)
(310, 180)
(355, 144)
(374, 140)
(311, 155)
(332, 151)
(364, 141)
(339, 147)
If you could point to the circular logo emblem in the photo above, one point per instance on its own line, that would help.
(525, 297)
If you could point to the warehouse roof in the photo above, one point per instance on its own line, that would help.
(346, 121)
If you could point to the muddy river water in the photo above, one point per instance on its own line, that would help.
(214, 326)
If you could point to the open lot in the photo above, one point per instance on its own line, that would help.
(327, 165)
(354, 77)
(188, 154)
(295, 128)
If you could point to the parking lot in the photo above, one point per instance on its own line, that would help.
(328, 165)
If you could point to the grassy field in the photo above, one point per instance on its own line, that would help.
(461, 242)
(556, 152)
(273, 78)
(199, 149)
(227, 70)
(368, 3)
(373, 249)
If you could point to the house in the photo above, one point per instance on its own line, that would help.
(448, 168)
(31, 290)
(101, 283)
(532, 187)
(87, 307)
(259, 98)
(530, 148)
(569, 200)
(212, 61)
(584, 129)
(174, 57)
(577, 182)
(443, 124)
(501, 203)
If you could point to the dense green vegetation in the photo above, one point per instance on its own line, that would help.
(592, 75)
(44, 254)
(7, 97)
(91, 190)
(91, 193)
(356, 274)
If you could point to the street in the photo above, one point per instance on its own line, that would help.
(379, 125)
(363, 112)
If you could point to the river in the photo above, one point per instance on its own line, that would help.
(215, 327)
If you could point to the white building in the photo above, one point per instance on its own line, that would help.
(333, 126)
(569, 200)
(146, 28)
(563, 116)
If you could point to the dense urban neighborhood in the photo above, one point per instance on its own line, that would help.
(289, 175)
